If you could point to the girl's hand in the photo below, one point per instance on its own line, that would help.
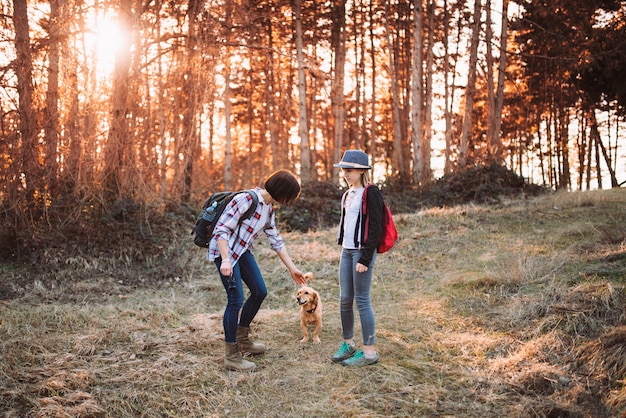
(361, 268)
(226, 268)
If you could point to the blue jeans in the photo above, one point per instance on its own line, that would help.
(356, 286)
(245, 271)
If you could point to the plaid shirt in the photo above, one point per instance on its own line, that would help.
(241, 238)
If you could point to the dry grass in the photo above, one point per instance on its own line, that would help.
(517, 311)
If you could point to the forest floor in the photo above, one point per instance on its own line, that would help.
(514, 307)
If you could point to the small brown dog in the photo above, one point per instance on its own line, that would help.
(310, 310)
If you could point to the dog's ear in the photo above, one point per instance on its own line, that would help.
(308, 276)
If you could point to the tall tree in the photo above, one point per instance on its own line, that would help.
(28, 163)
(428, 99)
(338, 44)
(495, 138)
(51, 120)
(417, 97)
(562, 45)
(271, 93)
(118, 171)
(398, 155)
(598, 139)
(470, 89)
(447, 89)
(372, 38)
(228, 176)
(190, 135)
(450, 77)
(303, 126)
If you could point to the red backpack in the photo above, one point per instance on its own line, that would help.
(389, 235)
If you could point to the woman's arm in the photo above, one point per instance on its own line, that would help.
(226, 267)
(296, 274)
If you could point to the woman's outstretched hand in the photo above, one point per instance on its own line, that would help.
(298, 276)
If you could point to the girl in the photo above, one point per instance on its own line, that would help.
(358, 257)
(230, 249)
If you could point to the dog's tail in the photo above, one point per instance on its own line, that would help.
(308, 276)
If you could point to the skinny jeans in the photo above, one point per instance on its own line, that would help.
(356, 287)
(247, 271)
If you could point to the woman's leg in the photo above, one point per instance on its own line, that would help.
(234, 294)
(251, 276)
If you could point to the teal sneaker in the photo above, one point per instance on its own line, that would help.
(345, 352)
(360, 359)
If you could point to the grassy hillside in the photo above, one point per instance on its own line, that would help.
(513, 310)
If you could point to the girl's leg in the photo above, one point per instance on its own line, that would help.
(362, 287)
(234, 296)
(346, 293)
(251, 276)
(346, 301)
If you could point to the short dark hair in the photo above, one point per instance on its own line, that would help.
(282, 186)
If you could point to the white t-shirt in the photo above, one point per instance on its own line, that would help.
(352, 204)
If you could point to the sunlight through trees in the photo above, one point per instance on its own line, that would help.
(106, 101)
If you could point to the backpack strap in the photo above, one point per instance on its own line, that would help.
(255, 202)
(366, 224)
(248, 213)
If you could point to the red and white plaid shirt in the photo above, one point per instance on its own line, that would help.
(241, 238)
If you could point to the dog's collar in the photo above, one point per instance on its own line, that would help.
(312, 310)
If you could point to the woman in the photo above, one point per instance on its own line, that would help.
(230, 249)
(358, 257)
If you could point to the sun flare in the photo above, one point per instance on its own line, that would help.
(107, 39)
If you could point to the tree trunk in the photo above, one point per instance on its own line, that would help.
(190, 138)
(272, 105)
(373, 139)
(88, 178)
(598, 160)
(497, 148)
(358, 75)
(550, 140)
(564, 141)
(28, 166)
(118, 149)
(305, 151)
(589, 155)
(398, 156)
(51, 121)
(428, 99)
(492, 135)
(73, 165)
(447, 99)
(470, 90)
(607, 158)
(339, 47)
(228, 176)
(452, 128)
(540, 151)
(417, 97)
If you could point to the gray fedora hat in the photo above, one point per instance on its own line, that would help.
(354, 159)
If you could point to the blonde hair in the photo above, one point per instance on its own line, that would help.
(365, 177)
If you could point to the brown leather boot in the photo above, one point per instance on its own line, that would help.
(234, 360)
(246, 345)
